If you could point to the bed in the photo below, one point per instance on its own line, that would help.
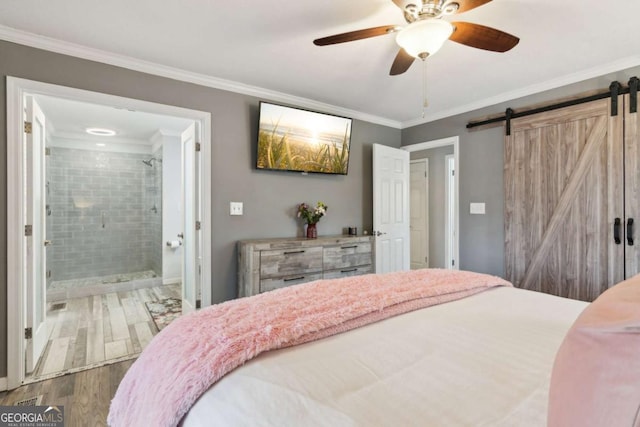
(484, 359)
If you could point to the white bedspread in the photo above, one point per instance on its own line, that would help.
(484, 360)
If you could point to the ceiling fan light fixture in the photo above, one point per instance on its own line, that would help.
(424, 38)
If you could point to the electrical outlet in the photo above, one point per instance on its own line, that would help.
(235, 208)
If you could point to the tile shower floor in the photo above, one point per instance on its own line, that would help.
(95, 330)
(86, 286)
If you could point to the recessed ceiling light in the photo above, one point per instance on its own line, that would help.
(100, 144)
(101, 132)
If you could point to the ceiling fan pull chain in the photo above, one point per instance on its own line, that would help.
(425, 102)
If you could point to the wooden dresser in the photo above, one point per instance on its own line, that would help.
(268, 264)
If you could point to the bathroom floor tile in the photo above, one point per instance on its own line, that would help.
(98, 329)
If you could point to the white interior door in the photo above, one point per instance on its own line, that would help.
(419, 208)
(451, 240)
(35, 256)
(391, 208)
(199, 214)
(189, 218)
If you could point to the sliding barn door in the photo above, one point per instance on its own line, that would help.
(563, 177)
(632, 190)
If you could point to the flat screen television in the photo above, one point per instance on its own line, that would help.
(293, 139)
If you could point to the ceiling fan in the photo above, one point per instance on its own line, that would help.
(427, 31)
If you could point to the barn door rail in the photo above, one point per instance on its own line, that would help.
(633, 94)
(615, 89)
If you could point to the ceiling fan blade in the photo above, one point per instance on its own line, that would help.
(482, 37)
(402, 63)
(355, 35)
(466, 5)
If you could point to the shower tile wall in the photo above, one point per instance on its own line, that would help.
(153, 196)
(100, 217)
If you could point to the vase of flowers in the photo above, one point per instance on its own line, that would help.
(311, 216)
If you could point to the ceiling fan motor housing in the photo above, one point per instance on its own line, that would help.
(429, 9)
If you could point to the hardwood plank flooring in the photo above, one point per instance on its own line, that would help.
(85, 395)
(83, 334)
(99, 329)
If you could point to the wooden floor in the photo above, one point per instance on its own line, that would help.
(90, 330)
(85, 395)
(93, 330)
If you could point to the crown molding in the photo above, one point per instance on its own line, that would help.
(109, 146)
(164, 133)
(589, 73)
(87, 138)
(47, 43)
(160, 136)
(97, 55)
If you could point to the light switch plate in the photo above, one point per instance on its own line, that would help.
(476, 208)
(235, 208)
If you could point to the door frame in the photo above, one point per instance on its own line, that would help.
(449, 220)
(443, 142)
(427, 207)
(35, 205)
(17, 88)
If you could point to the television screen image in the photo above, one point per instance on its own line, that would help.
(292, 139)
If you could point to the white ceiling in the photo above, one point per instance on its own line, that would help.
(268, 46)
(67, 119)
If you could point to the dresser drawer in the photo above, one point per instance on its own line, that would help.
(271, 284)
(289, 262)
(346, 272)
(347, 255)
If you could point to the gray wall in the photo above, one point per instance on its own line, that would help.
(481, 237)
(437, 202)
(269, 197)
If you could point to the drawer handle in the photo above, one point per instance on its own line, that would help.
(349, 270)
(294, 278)
(294, 252)
(349, 247)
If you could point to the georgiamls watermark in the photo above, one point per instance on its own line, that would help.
(31, 416)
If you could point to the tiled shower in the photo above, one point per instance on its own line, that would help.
(104, 219)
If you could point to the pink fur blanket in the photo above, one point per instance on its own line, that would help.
(198, 349)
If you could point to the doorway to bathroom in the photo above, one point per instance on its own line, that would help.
(113, 215)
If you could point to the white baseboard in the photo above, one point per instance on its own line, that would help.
(171, 280)
(4, 384)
